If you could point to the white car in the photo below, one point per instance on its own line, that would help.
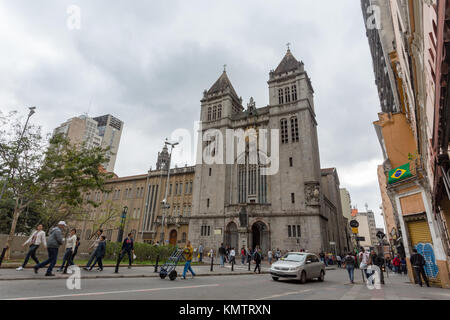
(298, 266)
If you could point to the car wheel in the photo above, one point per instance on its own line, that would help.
(303, 277)
(322, 276)
(275, 278)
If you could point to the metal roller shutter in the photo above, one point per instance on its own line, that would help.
(419, 232)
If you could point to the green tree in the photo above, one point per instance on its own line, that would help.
(49, 174)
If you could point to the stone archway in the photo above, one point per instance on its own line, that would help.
(173, 237)
(232, 236)
(260, 236)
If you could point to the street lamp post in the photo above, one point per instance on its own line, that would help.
(11, 172)
(165, 204)
(122, 224)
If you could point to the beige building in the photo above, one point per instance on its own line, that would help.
(104, 131)
(367, 228)
(346, 204)
(143, 196)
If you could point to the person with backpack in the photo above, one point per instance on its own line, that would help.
(396, 263)
(127, 248)
(99, 253)
(55, 240)
(349, 264)
(418, 263)
(257, 257)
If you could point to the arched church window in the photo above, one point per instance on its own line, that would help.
(219, 111)
(294, 129)
(214, 112)
(209, 114)
(287, 94)
(294, 92)
(280, 96)
(284, 131)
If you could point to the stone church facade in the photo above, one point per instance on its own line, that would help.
(233, 203)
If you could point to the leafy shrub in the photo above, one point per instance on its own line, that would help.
(143, 251)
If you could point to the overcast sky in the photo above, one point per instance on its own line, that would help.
(148, 62)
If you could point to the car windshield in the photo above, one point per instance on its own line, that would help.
(295, 257)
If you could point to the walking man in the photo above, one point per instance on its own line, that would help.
(99, 253)
(54, 241)
(35, 240)
(349, 264)
(222, 253)
(364, 258)
(127, 248)
(257, 258)
(188, 252)
(93, 247)
(232, 256)
(339, 260)
(269, 256)
(70, 249)
(418, 262)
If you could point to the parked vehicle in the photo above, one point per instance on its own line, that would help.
(298, 266)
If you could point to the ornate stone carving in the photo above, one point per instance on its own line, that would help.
(243, 217)
(312, 193)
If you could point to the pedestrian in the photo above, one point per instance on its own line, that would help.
(377, 260)
(403, 267)
(257, 258)
(322, 257)
(55, 239)
(278, 254)
(222, 253)
(93, 247)
(127, 248)
(364, 258)
(200, 252)
(418, 263)
(72, 258)
(269, 256)
(339, 260)
(99, 253)
(232, 256)
(349, 264)
(70, 248)
(35, 240)
(211, 253)
(188, 252)
(397, 264)
(227, 254)
(243, 255)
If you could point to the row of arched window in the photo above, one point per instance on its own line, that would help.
(287, 94)
(285, 130)
(215, 112)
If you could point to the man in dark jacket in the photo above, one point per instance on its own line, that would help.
(222, 253)
(418, 262)
(127, 248)
(55, 239)
(257, 257)
(99, 253)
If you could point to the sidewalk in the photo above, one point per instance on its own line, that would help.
(9, 273)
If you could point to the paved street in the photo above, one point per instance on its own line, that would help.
(247, 286)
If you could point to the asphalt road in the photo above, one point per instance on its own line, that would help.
(237, 287)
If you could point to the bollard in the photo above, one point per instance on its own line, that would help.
(156, 264)
(117, 265)
(249, 264)
(212, 263)
(232, 265)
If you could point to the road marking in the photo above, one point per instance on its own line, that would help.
(284, 294)
(113, 292)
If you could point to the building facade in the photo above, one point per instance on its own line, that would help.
(233, 203)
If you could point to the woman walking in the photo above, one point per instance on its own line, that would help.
(349, 264)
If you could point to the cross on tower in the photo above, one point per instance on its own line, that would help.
(224, 68)
(288, 45)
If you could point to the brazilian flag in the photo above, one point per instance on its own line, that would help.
(399, 173)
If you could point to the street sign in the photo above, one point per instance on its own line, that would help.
(355, 230)
(332, 243)
(354, 224)
(361, 238)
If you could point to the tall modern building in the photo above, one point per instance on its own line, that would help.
(104, 131)
(110, 129)
(367, 228)
(346, 204)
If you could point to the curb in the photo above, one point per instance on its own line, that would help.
(121, 276)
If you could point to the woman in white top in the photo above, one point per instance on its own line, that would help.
(35, 240)
(70, 248)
